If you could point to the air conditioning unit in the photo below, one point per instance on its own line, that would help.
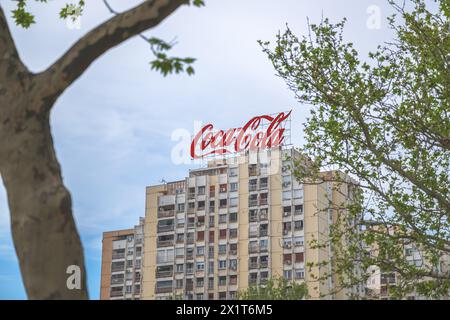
(288, 246)
(286, 184)
(287, 214)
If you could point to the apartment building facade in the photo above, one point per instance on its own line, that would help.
(237, 223)
(121, 273)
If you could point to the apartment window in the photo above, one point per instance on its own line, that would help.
(298, 241)
(233, 248)
(223, 203)
(264, 261)
(252, 185)
(222, 188)
(232, 295)
(299, 257)
(263, 244)
(253, 230)
(287, 195)
(191, 207)
(287, 274)
(298, 194)
(180, 207)
(222, 295)
(200, 266)
(180, 222)
(253, 246)
(200, 221)
(200, 251)
(263, 183)
(117, 266)
(179, 283)
(210, 283)
(263, 199)
(222, 264)
(138, 262)
(233, 280)
(234, 202)
(222, 281)
(222, 248)
(212, 205)
(117, 278)
(287, 259)
(211, 267)
(233, 233)
(264, 276)
(233, 172)
(253, 263)
(233, 217)
(129, 263)
(286, 181)
(139, 251)
(180, 267)
(223, 218)
(189, 253)
(190, 237)
(212, 191)
(200, 235)
(253, 200)
(137, 289)
(189, 268)
(223, 234)
(287, 227)
(128, 289)
(287, 211)
(211, 221)
(298, 209)
(201, 205)
(299, 274)
(137, 276)
(211, 251)
(116, 291)
(191, 223)
(179, 252)
(211, 236)
(233, 264)
(201, 190)
(263, 230)
(180, 237)
(233, 186)
(252, 278)
(164, 284)
(253, 215)
(298, 225)
(253, 170)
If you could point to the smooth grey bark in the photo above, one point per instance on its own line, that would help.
(44, 232)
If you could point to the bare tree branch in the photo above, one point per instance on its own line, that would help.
(104, 37)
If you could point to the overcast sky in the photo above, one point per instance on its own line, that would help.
(112, 128)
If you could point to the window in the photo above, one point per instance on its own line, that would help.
(223, 218)
(223, 234)
(211, 267)
(200, 266)
(179, 267)
(233, 248)
(222, 281)
(298, 225)
(233, 172)
(180, 237)
(263, 244)
(299, 257)
(211, 251)
(222, 264)
(287, 211)
(199, 296)
(299, 273)
(210, 283)
(179, 252)
(223, 203)
(263, 199)
(222, 295)
(233, 280)
(223, 188)
(233, 264)
(263, 182)
(287, 274)
(180, 222)
(233, 186)
(287, 195)
(233, 233)
(200, 251)
(298, 209)
(211, 221)
(212, 191)
(286, 181)
(233, 217)
(287, 227)
(117, 266)
(200, 235)
(212, 205)
(252, 185)
(180, 207)
(138, 263)
(211, 236)
(298, 194)
(179, 283)
(253, 215)
(201, 190)
(253, 200)
(298, 241)
(287, 258)
(234, 202)
(129, 263)
(222, 248)
(164, 256)
(201, 205)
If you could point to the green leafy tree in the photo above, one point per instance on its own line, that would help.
(383, 120)
(277, 288)
(43, 227)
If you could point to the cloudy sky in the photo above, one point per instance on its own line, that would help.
(113, 127)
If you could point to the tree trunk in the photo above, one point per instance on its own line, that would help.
(44, 231)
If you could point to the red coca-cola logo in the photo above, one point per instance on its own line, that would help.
(250, 137)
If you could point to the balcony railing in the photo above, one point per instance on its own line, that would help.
(263, 265)
(165, 243)
(166, 213)
(253, 249)
(191, 195)
(165, 228)
(253, 265)
(263, 217)
(116, 269)
(163, 289)
(252, 281)
(263, 186)
(263, 202)
(116, 294)
(164, 274)
(263, 233)
(263, 249)
(117, 281)
(118, 256)
(252, 187)
(253, 203)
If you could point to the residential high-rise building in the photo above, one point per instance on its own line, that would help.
(122, 254)
(236, 223)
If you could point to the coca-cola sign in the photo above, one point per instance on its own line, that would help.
(252, 136)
